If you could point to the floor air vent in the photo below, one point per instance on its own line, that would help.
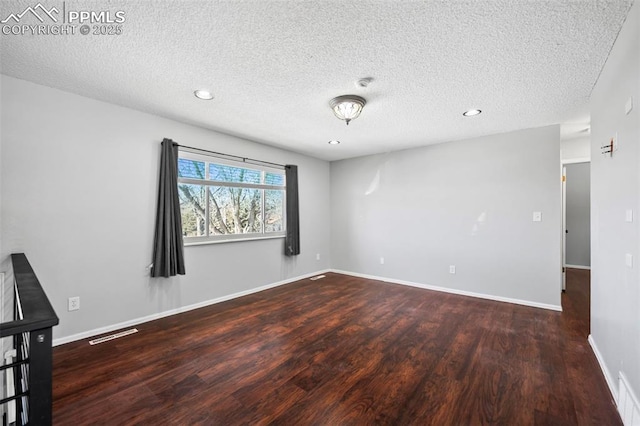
(113, 336)
(317, 277)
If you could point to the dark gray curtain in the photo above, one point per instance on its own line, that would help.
(168, 250)
(292, 240)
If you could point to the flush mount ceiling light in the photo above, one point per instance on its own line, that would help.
(334, 142)
(471, 112)
(205, 95)
(347, 107)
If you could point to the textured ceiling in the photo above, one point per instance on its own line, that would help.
(274, 66)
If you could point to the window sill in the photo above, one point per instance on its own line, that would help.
(234, 240)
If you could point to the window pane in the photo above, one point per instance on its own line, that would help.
(192, 209)
(235, 210)
(274, 179)
(190, 168)
(224, 173)
(274, 207)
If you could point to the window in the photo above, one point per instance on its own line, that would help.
(224, 200)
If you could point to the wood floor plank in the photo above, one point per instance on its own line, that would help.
(344, 350)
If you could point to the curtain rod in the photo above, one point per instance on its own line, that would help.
(242, 159)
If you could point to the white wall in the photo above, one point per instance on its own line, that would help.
(575, 149)
(578, 215)
(79, 186)
(466, 203)
(615, 188)
(6, 303)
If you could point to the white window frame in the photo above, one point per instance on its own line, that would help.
(210, 159)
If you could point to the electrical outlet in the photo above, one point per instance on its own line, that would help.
(452, 269)
(628, 217)
(382, 260)
(537, 216)
(318, 256)
(74, 303)
(628, 260)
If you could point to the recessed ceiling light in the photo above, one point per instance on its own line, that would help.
(334, 142)
(203, 94)
(471, 112)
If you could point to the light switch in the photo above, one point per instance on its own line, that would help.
(537, 216)
(628, 216)
(628, 259)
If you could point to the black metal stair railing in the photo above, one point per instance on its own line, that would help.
(31, 361)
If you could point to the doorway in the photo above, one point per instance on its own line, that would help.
(576, 217)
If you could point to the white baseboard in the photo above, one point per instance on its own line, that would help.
(626, 400)
(453, 291)
(628, 404)
(577, 267)
(610, 380)
(136, 321)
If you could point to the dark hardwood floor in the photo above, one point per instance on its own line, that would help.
(342, 351)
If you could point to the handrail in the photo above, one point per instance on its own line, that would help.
(38, 312)
(29, 375)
